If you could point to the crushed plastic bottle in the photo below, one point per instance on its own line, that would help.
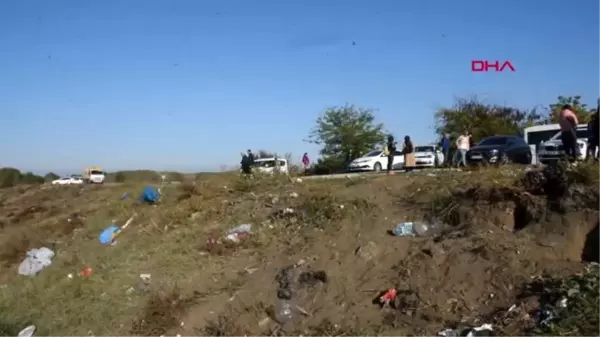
(284, 311)
(417, 229)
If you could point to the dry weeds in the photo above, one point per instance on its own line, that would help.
(221, 288)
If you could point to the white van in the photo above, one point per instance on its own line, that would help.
(268, 165)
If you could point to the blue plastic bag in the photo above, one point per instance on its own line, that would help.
(150, 195)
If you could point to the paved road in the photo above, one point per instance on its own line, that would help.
(358, 174)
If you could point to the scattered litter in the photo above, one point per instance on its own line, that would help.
(145, 280)
(238, 233)
(341, 206)
(298, 180)
(284, 311)
(512, 308)
(150, 195)
(86, 272)
(124, 196)
(294, 195)
(388, 297)
(36, 260)
(416, 229)
(303, 311)
(483, 330)
(27, 332)
(109, 234)
(404, 229)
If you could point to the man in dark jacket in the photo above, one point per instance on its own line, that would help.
(593, 136)
(408, 149)
(390, 149)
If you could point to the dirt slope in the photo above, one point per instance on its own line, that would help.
(501, 230)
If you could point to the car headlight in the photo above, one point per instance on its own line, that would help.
(493, 152)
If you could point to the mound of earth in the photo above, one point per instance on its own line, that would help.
(316, 260)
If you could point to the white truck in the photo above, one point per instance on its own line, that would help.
(94, 175)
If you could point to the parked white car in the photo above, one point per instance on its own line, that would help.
(268, 165)
(553, 150)
(376, 161)
(68, 181)
(428, 156)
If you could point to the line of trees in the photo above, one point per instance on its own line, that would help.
(348, 132)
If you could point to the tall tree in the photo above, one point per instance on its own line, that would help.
(582, 111)
(483, 120)
(346, 133)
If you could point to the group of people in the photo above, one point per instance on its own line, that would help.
(567, 119)
(248, 161)
(463, 144)
(407, 150)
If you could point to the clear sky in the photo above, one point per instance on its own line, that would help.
(188, 84)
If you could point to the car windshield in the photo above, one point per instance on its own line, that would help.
(96, 172)
(373, 153)
(493, 141)
(424, 149)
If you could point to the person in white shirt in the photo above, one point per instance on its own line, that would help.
(463, 145)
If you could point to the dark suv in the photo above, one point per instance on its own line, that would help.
(500, 150)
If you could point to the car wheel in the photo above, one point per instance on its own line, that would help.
(377, 167)
(504, 160)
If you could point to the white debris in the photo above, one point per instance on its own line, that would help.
(36, 260)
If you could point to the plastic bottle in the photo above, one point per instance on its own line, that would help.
(284, 311)
(426, 229)
(404, 229)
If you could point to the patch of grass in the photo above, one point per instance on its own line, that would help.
(586, 173)
(580, 316)
(163, 312)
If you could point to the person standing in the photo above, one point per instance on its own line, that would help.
(407, 150)
(593, 136)
(250, 157)
(568, 135)
(445, 145)
(389, 150)
(463, 144)
(305, 161)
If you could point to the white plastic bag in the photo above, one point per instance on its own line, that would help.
(36, 260)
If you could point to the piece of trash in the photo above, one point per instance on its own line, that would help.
(512, 308)
(239, 233)
(70, 275)
(109, 234)
(298, 180)
(150, 195)
(27, 332)
(341, 206)
(86, 272)
(416, 229)
(284, 311)
(36, 260)
(145, 280)
(294, 195)
(483, 330)
(124, 196)
(404, 229)
(563, 302)
(388, 297)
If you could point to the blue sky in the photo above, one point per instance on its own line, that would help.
(188, 84)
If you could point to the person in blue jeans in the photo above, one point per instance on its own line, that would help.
(445, 144)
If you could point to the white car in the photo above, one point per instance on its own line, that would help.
(428, 156)
(267, 165)
(376, 161)
(68, 181)
(553, 150)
